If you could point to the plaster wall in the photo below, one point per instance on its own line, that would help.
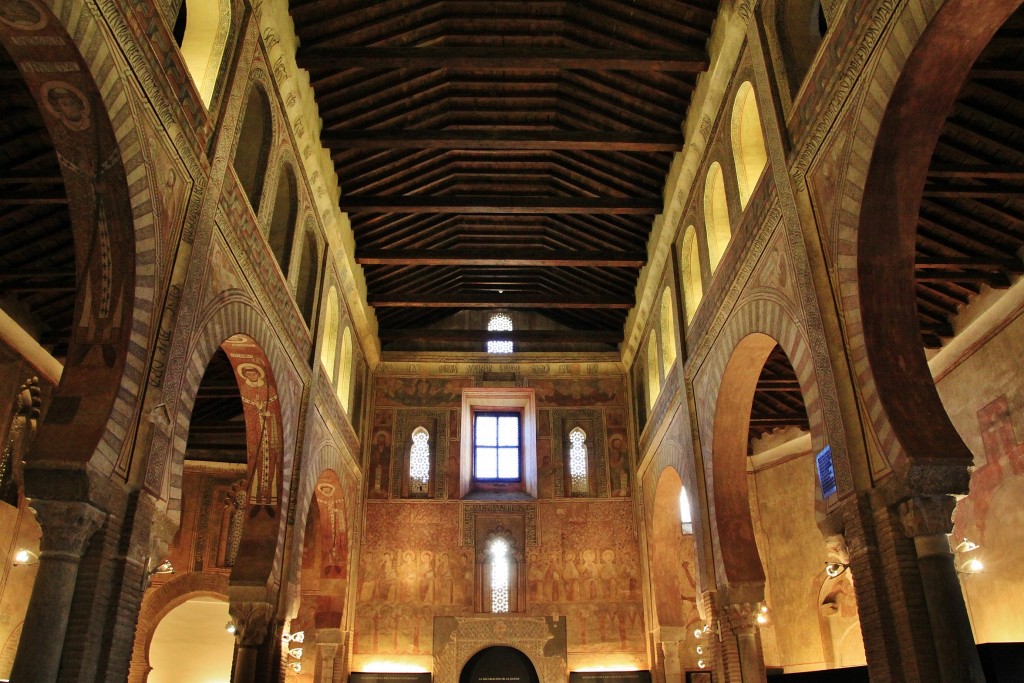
(984, 396)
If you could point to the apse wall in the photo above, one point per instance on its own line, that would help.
(423, 554)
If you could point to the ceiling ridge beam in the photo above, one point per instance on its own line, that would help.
(500, 140)
(487, 204)
(496, 300)
(549, 336)
(508, 257)
(504, 59)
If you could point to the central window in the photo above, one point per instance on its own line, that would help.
(496, 441)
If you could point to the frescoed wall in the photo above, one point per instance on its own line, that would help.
(576, 556)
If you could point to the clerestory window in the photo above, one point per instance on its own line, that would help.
(419, 462)
(496, 446)
(500, 575)
(499, 322)
(578, 462)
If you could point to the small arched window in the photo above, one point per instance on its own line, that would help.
(499, 322)
(668, 332)
(201, 30)
(578, 462)
(253, 146)
(653, 377)
(305, 288)
(500, 575)
(281, 234)
(685, 515)
(716, 215)
(345, 369)
(419, 462)
(748, 147)
(693, 287)
(329, 345)
(802, 25)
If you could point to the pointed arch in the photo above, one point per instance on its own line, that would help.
(345, 369)
(653, 376)
(668, 332)
(329, 344)
(281, 233)
(207, 26)
(253, 147)
(693, 285)
(305, 286)
(748, 148)
(716, 215)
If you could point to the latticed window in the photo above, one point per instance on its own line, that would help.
(685, 516)
(499, 322)
(419, 462)
(578, 462)
(499, 551)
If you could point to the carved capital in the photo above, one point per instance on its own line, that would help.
(836, 549)
(740, 617)
(927, 515)
(67, 527)
(251, 621)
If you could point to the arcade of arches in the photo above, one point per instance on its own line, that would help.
(764, 411)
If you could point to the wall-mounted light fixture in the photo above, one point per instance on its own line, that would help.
(967, 561)
(834, 569)
(164, 567)
(25, 558)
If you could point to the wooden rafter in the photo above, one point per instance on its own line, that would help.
(502, 59)
(508, 257)
(499, 204)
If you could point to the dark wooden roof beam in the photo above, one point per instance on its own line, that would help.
(501, 140)
(488, 257)
(502, 59)
(992, 278)
(976, 171)
(961, 191)
(33, 198)
(499, 204)
(545, 336)
(969, 262)
(495, 300)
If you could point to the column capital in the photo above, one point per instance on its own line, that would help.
(740, 617)
(67, 526)
(251, 621)
(927, 515)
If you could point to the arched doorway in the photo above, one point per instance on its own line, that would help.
(323, 580)
(673, 565)
(190, 643)
(765, 489)
(505, 663)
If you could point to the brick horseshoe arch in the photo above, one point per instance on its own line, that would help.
(328, 458)
(931, 53)
(231, 318)
(158, 603)
(733, 367)
(113, 233)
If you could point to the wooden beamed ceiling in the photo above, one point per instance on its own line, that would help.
(37, 256)
(502, 154)
(971, 220)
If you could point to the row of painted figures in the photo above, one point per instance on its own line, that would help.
(443, 578)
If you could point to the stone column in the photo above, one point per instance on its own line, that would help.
(928, 520)
(252, 620)
(739, 623)
(67, 527)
